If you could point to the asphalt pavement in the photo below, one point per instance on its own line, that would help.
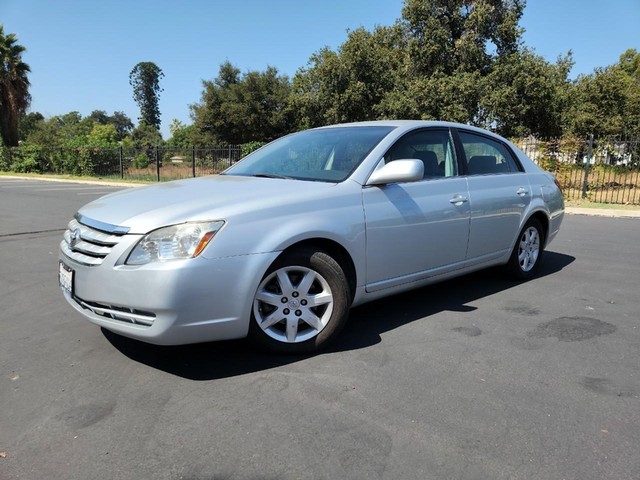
(475, 378)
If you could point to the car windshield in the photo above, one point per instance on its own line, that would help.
(326, 155)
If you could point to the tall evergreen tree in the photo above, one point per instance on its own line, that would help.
(145, 80)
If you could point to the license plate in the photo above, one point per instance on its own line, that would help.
(65, 278)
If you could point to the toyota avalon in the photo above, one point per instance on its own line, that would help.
(282, 244)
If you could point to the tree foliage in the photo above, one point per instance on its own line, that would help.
(456, 60)
(524, 94)
(607, 102)
(449, 36)
(145, 80)
(182, 135)
(120, 121)
(71, 129)
(14, 87)
(350, 84)
(238, 108)
(146, 136)
(28, 123)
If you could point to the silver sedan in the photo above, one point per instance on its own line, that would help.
(281, 245)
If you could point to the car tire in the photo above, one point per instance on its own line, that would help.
(525, 259)
(301, 304)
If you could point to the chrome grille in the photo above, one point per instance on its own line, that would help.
(89, 245)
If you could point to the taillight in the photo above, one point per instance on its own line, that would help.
(555, 180)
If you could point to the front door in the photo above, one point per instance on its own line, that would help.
(419, 229)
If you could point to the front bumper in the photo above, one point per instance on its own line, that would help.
(169, 303)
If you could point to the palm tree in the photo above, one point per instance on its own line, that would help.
(14, 87)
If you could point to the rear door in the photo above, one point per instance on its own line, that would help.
(499, 194)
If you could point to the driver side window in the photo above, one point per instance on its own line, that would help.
(433, 147)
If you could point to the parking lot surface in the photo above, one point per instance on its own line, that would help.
(475, 378)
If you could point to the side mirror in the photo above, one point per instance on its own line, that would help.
(398, 171)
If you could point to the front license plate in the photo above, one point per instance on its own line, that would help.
(65, 278)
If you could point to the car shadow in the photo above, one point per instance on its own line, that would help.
(214, 360)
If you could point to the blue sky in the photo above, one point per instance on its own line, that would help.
(81, 51)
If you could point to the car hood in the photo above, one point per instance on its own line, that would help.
(215, 197)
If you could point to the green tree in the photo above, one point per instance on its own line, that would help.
(607, 102)
(73, 128)
(181, 135)
(349, 84)
(442, 97)
(45, 133)
(98, 116)
(102, 136)
(451, 48)
(28, 123)
(442, 60)
(14, 87)
(145, 80)
(456, 60)
(447, 36)
(237, 108)
(146, 136)
(58, 131)
(122, 123)
(524, 94)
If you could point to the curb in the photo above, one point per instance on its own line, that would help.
(108, 183)
(602, 212)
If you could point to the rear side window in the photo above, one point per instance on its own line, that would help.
(486, 156)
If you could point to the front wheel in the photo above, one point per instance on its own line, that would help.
(301, 304)
(527, 253)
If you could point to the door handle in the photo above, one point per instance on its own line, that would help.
(522, 191)
(458, 199)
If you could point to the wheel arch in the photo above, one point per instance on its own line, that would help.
(333, 249)
(543, 218)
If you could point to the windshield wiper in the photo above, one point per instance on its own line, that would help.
(270, 175)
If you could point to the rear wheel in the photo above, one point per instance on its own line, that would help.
(527, 253)
(301, 304)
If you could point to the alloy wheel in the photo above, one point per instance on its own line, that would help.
(529, 249)
(293, 304)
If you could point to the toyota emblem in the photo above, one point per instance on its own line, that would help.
(75, 237)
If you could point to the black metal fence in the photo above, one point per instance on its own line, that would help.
(137, 164)
(605, 170)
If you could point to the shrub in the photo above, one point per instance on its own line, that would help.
(140, 161)
(247, 148)
(26, 160)
(5, 158)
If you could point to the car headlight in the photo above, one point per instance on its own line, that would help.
(176, 242)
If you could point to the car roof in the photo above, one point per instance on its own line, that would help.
(407, 125)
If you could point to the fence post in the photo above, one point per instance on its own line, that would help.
(193, 160)
(585, 183)
(230, 160)
(121, 162)
(158, 162)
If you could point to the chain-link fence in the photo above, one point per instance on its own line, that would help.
(603, 170)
